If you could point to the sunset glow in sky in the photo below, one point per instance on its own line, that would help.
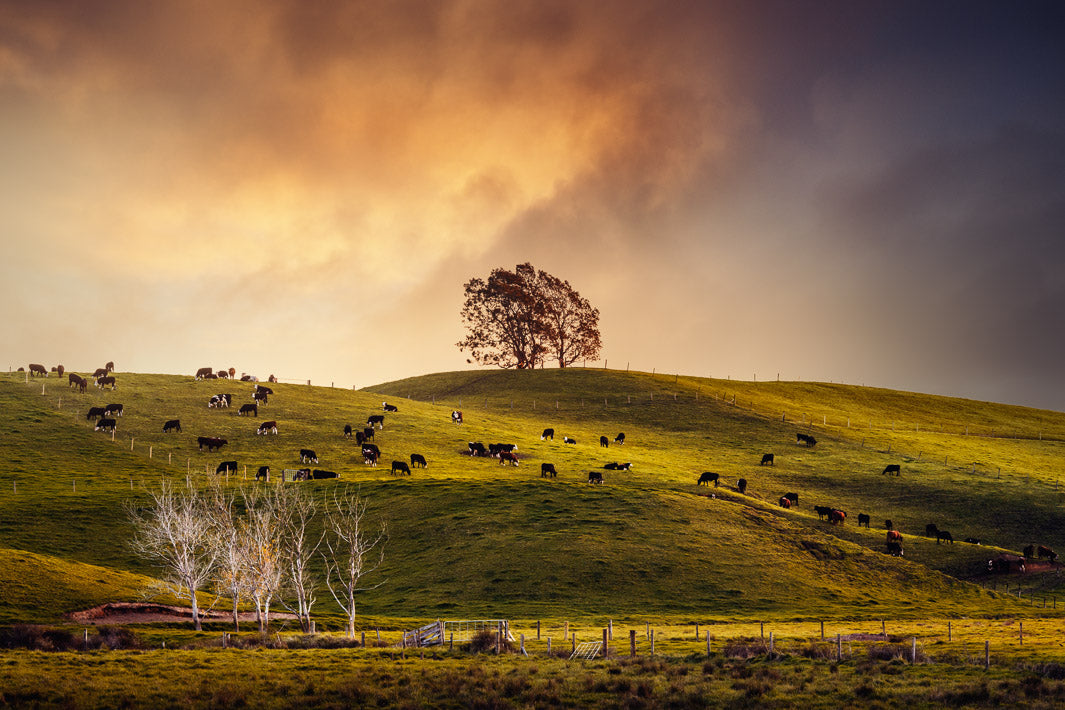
(866, 192)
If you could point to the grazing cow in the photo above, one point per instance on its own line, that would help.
(377, 420)
(260, 397)
(1006, 563)
(497, 449)
(226, 466)
(785, 502)
(973, 540)
(548, 469)
(805, 439)
(595, 477)
(567, 440)
(108, 382)
(73, 379)
(370, 454)
(59, 370)
(367, 433)
(418, 460)
(823, 511)
(620, 438)
(894, 548)
(708, 476)
(251, 409)
(264, 389)
(268, 428)
(605, 442)
(172, 425)
(106, 425)
(210, 376)
(95, 413)
(222, 374)
(81, 383)
(863, 519)
(548, 434)
(930, 530)
(614, 466)
(348, 432)
(741, 485)
(767, 460)
(1029, 552)
(36, 370)
(219, 401)
(113, 410)
(263, 474)
(477, 449)
(389, 407)
(507, 457)
(211, 442)
(888, 525)
(836, 517)
(400, 467)
(793, 497)
(894, 536)
(1043, 551)
(307, 455)
(110, 367)
(99, 372)
(456, 416)
(944, 535)
(203, 372)
(359, 437)
(892, 468)
(318, 474)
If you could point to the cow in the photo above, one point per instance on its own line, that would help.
(267, 428)
(595, 477)
(497, 449)
(620, 438)
(172, 425)
(767, 460)
(260, 397)
(942, 535)
(418, 460)
(706, 477)
(377, 420)
(73, 379)
(222, 374)
(219, 401)
(1044, 551)
(930, 530)
(203, 372)
(36, 370)
(1029, 552)
(784, 502)
(113, 410)
(823, 511)
(973, 540)
(226, 467)
(106, 425)
(263, 474)
(271, 379)
(548, 434)
(318, 474)
(81, 383)
(389, 407)
(863, 519)
(348, 432)
(99, 372)
(741, 486)
(604, 442)
(615, 466)
(506, 457)
(110, 367)
(567, 440)
(95, 413)
(892, 468)
(400, 467)
(370, 454)
(360, 437)
(308, 455)
(805, 439)
(250, 409)
(548, 469)
(456, 416)
(211, 442)
(793, 497)
(894, 548)
(836, 517)
(1006, 563)
(59, 370)
(210, 376)
(477, 449)
(108, 382)
(263, 389)
(894, 536)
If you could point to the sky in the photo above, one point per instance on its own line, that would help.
(862, 192)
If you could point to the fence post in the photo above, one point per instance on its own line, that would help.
(1020, 631)
(548, 645)
(652, 643)
(913, 651)
(839, 647)
(537, 629)
(708, 644)
(610, 628)
(987, 655)
(632, 643)
(949, 632)
(606, 641)
(822, 630)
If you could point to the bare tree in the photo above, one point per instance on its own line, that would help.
(297, 510)
(263, 552)
(175, 532)
(231, 576)
(353, 552)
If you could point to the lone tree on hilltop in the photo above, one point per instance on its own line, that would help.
(524, 317)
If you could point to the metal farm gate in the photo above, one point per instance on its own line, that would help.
(440, 632)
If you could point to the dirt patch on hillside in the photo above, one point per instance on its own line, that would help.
(148, 613)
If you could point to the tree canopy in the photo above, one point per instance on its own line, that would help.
(525, 317)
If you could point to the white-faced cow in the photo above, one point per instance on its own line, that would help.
(708, 476)
(377, 420)
(615, 466)
(506, 457)
(260, 397)
(108, 382)
(370, 454)
(348, 432)
(418, 460)
(389, 407)
(567, 440)
(220, 401)
(308, 455)
(477, 449)
(264, 389)
(400, 467)
(548, 469)
(113, 410)
(620, 438)
(595, 477)
(250, 409)
(106, 425)
(267, 428)
(203, 372)
(784, 502)
(172, 425)
(1045, 552)
(456, 416)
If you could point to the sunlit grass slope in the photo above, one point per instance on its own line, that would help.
(469, 537)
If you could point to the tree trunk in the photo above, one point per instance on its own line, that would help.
(196, 612)
(236, 614)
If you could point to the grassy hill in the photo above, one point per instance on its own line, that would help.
(470, 538)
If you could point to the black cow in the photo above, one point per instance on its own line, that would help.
(226, 466)
(418, 460)
(377, 420)
(203, 372)
(567, 440)
(894, 548)
(741, 485)
(767, 460)
(95, 413)
(389, 407)
(706, 477)
(497, 449)
(595, 477)
(548, 469)
(864, 519)
(318, 474)
(456, 416)
(359, 437)
(172, 425)
(603, 441)
(944, 535)
(250, 409)
(930, 530)
(367, 433)
(400, 467)
(113, 410)
(106, 425)
(348, 432)
(1044, 551)
(265, 390)
(260, 397)
(823, 511)
(615, 466)
(892, 468)
(263, 474)
(477, 449)
(211, 442)
(548, 434)
(793, 497)
(506, 457)
(620, 438)
(805, 439)
(308, 455)
(267, 428)
(108, 382)
(99, 372)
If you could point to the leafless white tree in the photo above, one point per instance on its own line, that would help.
(231, 575)
(297, 510)
(263, 555)
(352, 552)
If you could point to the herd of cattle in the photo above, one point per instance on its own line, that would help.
(105, 418)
